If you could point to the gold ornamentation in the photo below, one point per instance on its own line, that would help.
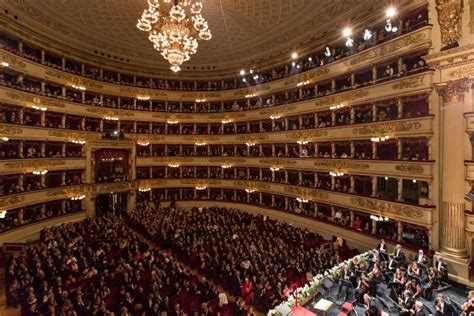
(306, 135)
(74, 135)
(229, 116)
(226, 160)
(307, 76)
(463, 72)
(145, 137)
(200, 95)
(25, 97)
(341, 98)
(34, 164)
(252, 138)
(389, 127)
(251, 184)
(66, 192)
(341, 164)
(413, 169)
(387, 207)
(453, 91)
(179, 117)
(10, 130)
(200, 182)
(71, 79)
(137, 91)
(450, 20)
(389, 48)
(413, 82)
(111, 187)
(11, 200)
(13, 61)
(167, 160)
(307, 193)
(107, 112)
(278, 162)
(152, 183)
(253, 90)
(278, 110)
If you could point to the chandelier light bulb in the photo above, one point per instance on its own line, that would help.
(242, 72)
(294, 55)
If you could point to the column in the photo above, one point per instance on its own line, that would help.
(131, 201)
(452, 238)
(90, 206)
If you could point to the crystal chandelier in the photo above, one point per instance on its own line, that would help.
(174, 28)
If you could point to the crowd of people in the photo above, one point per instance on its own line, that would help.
(248, 255)
(102, 267)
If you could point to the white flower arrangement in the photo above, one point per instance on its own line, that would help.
(309, 289)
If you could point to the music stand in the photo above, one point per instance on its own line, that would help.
(323, 305)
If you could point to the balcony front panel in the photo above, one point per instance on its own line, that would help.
(408, 127)
(399, 211)
(400, 169)
(30, 165)
(30, 232)
(414, 84)
(415, 41)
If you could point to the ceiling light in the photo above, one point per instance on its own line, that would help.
(347, 32)
(242, 72)
(391, 12)
(294, 55)
(175, 32)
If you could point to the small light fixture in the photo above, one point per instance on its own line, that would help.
(40, 172)
(250, 190)
(201, 100)
(274, 169)
(226, 166)
(294, 55)
(391, 12)
(293, 64)
(172, 122)
(3, 214)
(302, 200)
(250, 144)
(347, 32)
(199, 144)
(242, 72)
(111, 118)
(200, 188)
(40, 108)
(143, 98)
(173, 165)
(143, 143)
(337, 107)
(78, 87)
(310, 59)
(78, 198)
(144, 189)
(414, 181)
(275, 117)
(302, 142)
(5, 139)
(226, 121)
(336, 174)
(244, 80)
(5, 64)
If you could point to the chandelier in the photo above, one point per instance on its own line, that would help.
(174, 27)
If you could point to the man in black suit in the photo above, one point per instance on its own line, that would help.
(419, 309)
(442, 269)
(382, 249)
(422, 260)
(399, 256)
(345, 281)
(407, 303)
(443, 308)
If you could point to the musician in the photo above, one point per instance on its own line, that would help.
(370, 307)
(399, 256)
(414, 271)
(407, 303)
(442, 269)
(468, 307)
(442, 307)
(421, 259)
(415, 289)
(363, 287)
(346, 276)
(398, 282)
(374, 259)
(382, 249)
(419, 309)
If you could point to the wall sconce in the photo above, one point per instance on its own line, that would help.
(275, 117)
(302, 83)
(5, 139)
(380, 139)
(200, 100)
(274, 169)
(78, 198)
(5, 64)
(3, 214)
(172, 122)
(250, 190)
(111, 118)
(250, 144)
(226, 166)
(336, 174)
(143, 143)
(200, 188)
(173, 165)
(200, 144)
(144, 189)
(226, 121)
(40, 108)
(79, 142)
(40, 172)
(337, 107)
(302, 200)
(302, 142)
(143, 97)
(78, 87)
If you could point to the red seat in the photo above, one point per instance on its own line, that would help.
(347, 307)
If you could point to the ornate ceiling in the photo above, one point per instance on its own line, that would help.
(246, 33)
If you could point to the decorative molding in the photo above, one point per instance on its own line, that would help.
(338, 164)
(10, 130)
(252, 184)
(107, 112)
(387, 207)
(278, 162)
(144, 137)
(412, 169)
(200, 182)
(450, 20)
(226, 160)
(463, 72)
(227, 116)
(74, 135)
(252, 137)
(307, 193)
(201, 138)
(253, 90)
(111, 187)
(66, 191)
(13, 61)
(306, 135)
(341, 98)
(453, 91)
(388, 127)
(201, 95)
(71, 79)
(414, 82)
(152, 183)
(307, 76)
(34, 164)
(277, 110)
(389, 48)
(10, 200)
(25, 97)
